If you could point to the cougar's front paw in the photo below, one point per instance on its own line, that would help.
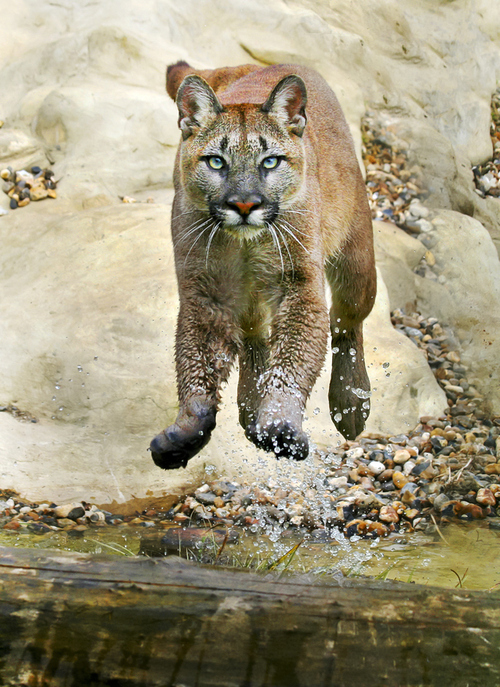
(173, 447)
(280, 438)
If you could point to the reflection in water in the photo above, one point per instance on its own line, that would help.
(469, 556)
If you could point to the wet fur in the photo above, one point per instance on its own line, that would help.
(256, 291)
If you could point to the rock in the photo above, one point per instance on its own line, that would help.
(388, 514)
(38, 528)
(492, 469)
(366, 528)
(206, 498)
(376, 467)
(485, 497)
(337, 482)
(399, 479)
(70, 510)
(441, 502)
(401, 456)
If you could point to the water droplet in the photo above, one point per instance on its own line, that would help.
(352, 351)
(316, 411)
(335, 349)
(79, 368)
(385, 365)
(337, 417)
(54, 398)
(57, 386)
(61, 408)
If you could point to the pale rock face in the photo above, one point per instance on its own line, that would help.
(88, 290)
(469, 297)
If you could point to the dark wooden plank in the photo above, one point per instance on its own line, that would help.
(77, 620)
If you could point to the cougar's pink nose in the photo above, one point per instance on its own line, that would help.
(245, 208)
(244, 203)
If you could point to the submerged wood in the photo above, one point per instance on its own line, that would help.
(77, 620)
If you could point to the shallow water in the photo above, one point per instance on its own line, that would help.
(468, 558)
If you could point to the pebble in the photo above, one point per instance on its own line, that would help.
(70, 510)
(401, 456)
(399, 479)
(388, 514)
(485, 497)
(375, 467)
(24, 186)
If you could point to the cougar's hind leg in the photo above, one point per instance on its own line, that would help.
(352, 280)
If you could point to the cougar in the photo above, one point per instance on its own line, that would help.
(269, 199)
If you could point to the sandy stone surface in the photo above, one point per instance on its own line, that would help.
(87, 286)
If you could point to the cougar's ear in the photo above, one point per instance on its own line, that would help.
(197, 104)
(287, 103)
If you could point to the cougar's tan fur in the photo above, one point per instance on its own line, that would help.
(269, 199)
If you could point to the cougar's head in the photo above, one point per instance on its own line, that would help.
(242, 164)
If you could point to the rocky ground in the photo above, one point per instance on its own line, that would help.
(447, 468)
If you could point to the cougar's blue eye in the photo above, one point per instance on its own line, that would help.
(270, 162)
(215, 162)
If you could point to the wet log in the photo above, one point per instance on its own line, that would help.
(79, 620)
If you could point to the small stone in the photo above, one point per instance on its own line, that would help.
(492, 469)
(470, 511)
(440, 502)
(366, 528)
(399, 479)
(97, 516)
(70, 510)
(65, 522)
(355, 453)
(12, 525)
(388, 514)
(485, 497)
(337, 482)
(206, 498)
(386, 475)
(376, 467)
(401, 456)
(408, 467)
(429, 258)
(38, 527)
(345, 511)
(411, 513)
(38, 192)
(453, 357)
